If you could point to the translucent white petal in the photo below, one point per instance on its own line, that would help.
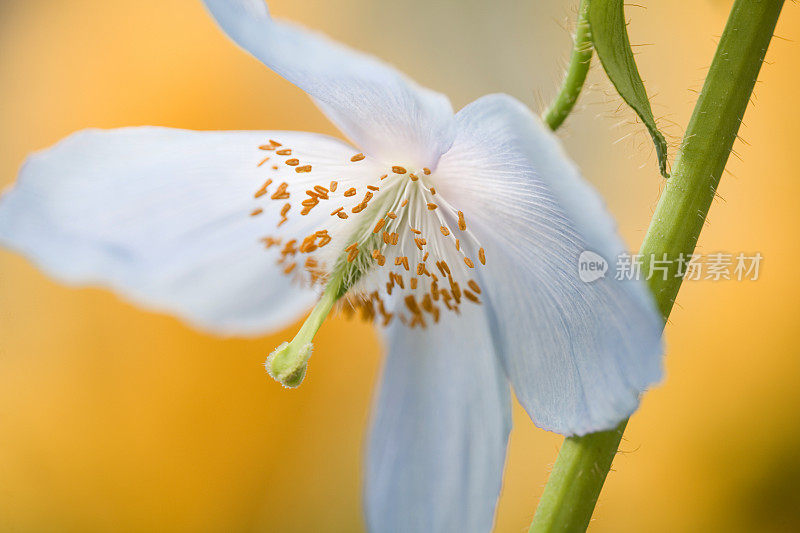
(163, 217)
(578, 354)
(382, 111)
(438, 441)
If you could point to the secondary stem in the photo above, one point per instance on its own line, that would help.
(579, 63)
(583, 462)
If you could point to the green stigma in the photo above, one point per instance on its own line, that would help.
(288, 363)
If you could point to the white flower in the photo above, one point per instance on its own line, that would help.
(461, 232)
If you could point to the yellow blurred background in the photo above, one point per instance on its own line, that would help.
(114, 419)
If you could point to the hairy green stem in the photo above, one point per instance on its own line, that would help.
(578, 67)
(583, 462)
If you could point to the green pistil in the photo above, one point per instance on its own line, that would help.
(288, 363)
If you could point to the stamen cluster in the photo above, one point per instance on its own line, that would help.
(395, 235)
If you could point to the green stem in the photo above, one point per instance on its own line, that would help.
(583, 462)
(578, 67)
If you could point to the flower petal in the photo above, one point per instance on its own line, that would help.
(388, 115)
(439, 435)
(578, 354)
(162, 217)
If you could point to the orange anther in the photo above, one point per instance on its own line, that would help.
(263, 190)
(281, 193)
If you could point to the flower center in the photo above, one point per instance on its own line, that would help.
(394, 248)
